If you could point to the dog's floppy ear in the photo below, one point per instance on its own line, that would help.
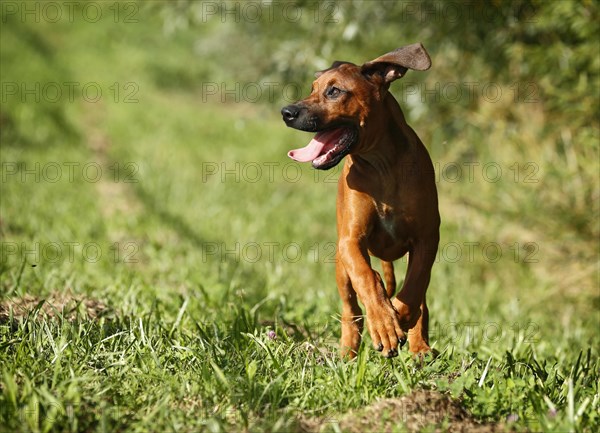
(394, 64)
(333, 66)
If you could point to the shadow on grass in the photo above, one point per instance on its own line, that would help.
(187, 232)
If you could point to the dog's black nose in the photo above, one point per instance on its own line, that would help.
(290, 112)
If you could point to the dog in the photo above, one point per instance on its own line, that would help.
(387, 202)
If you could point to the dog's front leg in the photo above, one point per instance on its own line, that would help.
(382, 319)
(410, 303)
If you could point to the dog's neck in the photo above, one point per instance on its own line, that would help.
(388, 142)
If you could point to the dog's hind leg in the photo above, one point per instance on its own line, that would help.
(352, 318)
(389, 277)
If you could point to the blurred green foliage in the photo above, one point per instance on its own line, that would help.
(540, 51)
(29, 57)
(553, 44)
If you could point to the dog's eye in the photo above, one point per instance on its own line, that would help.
(332, 92)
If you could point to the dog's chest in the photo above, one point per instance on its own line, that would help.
(387, 219)
(388, 237)
(391, 220)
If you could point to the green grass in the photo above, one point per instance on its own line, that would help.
(196, 271)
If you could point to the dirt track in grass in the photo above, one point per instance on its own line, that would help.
(65, 304)
(419, 411)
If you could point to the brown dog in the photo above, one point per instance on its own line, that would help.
(387, 199)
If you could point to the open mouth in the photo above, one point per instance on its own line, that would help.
(327, 148)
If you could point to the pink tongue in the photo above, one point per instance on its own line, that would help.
(316, 146)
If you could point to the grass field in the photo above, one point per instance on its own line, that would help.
(165, 267)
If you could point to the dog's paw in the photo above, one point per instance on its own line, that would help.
(386, 333)
(419, 349)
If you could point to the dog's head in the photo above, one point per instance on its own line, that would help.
(342, 99)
